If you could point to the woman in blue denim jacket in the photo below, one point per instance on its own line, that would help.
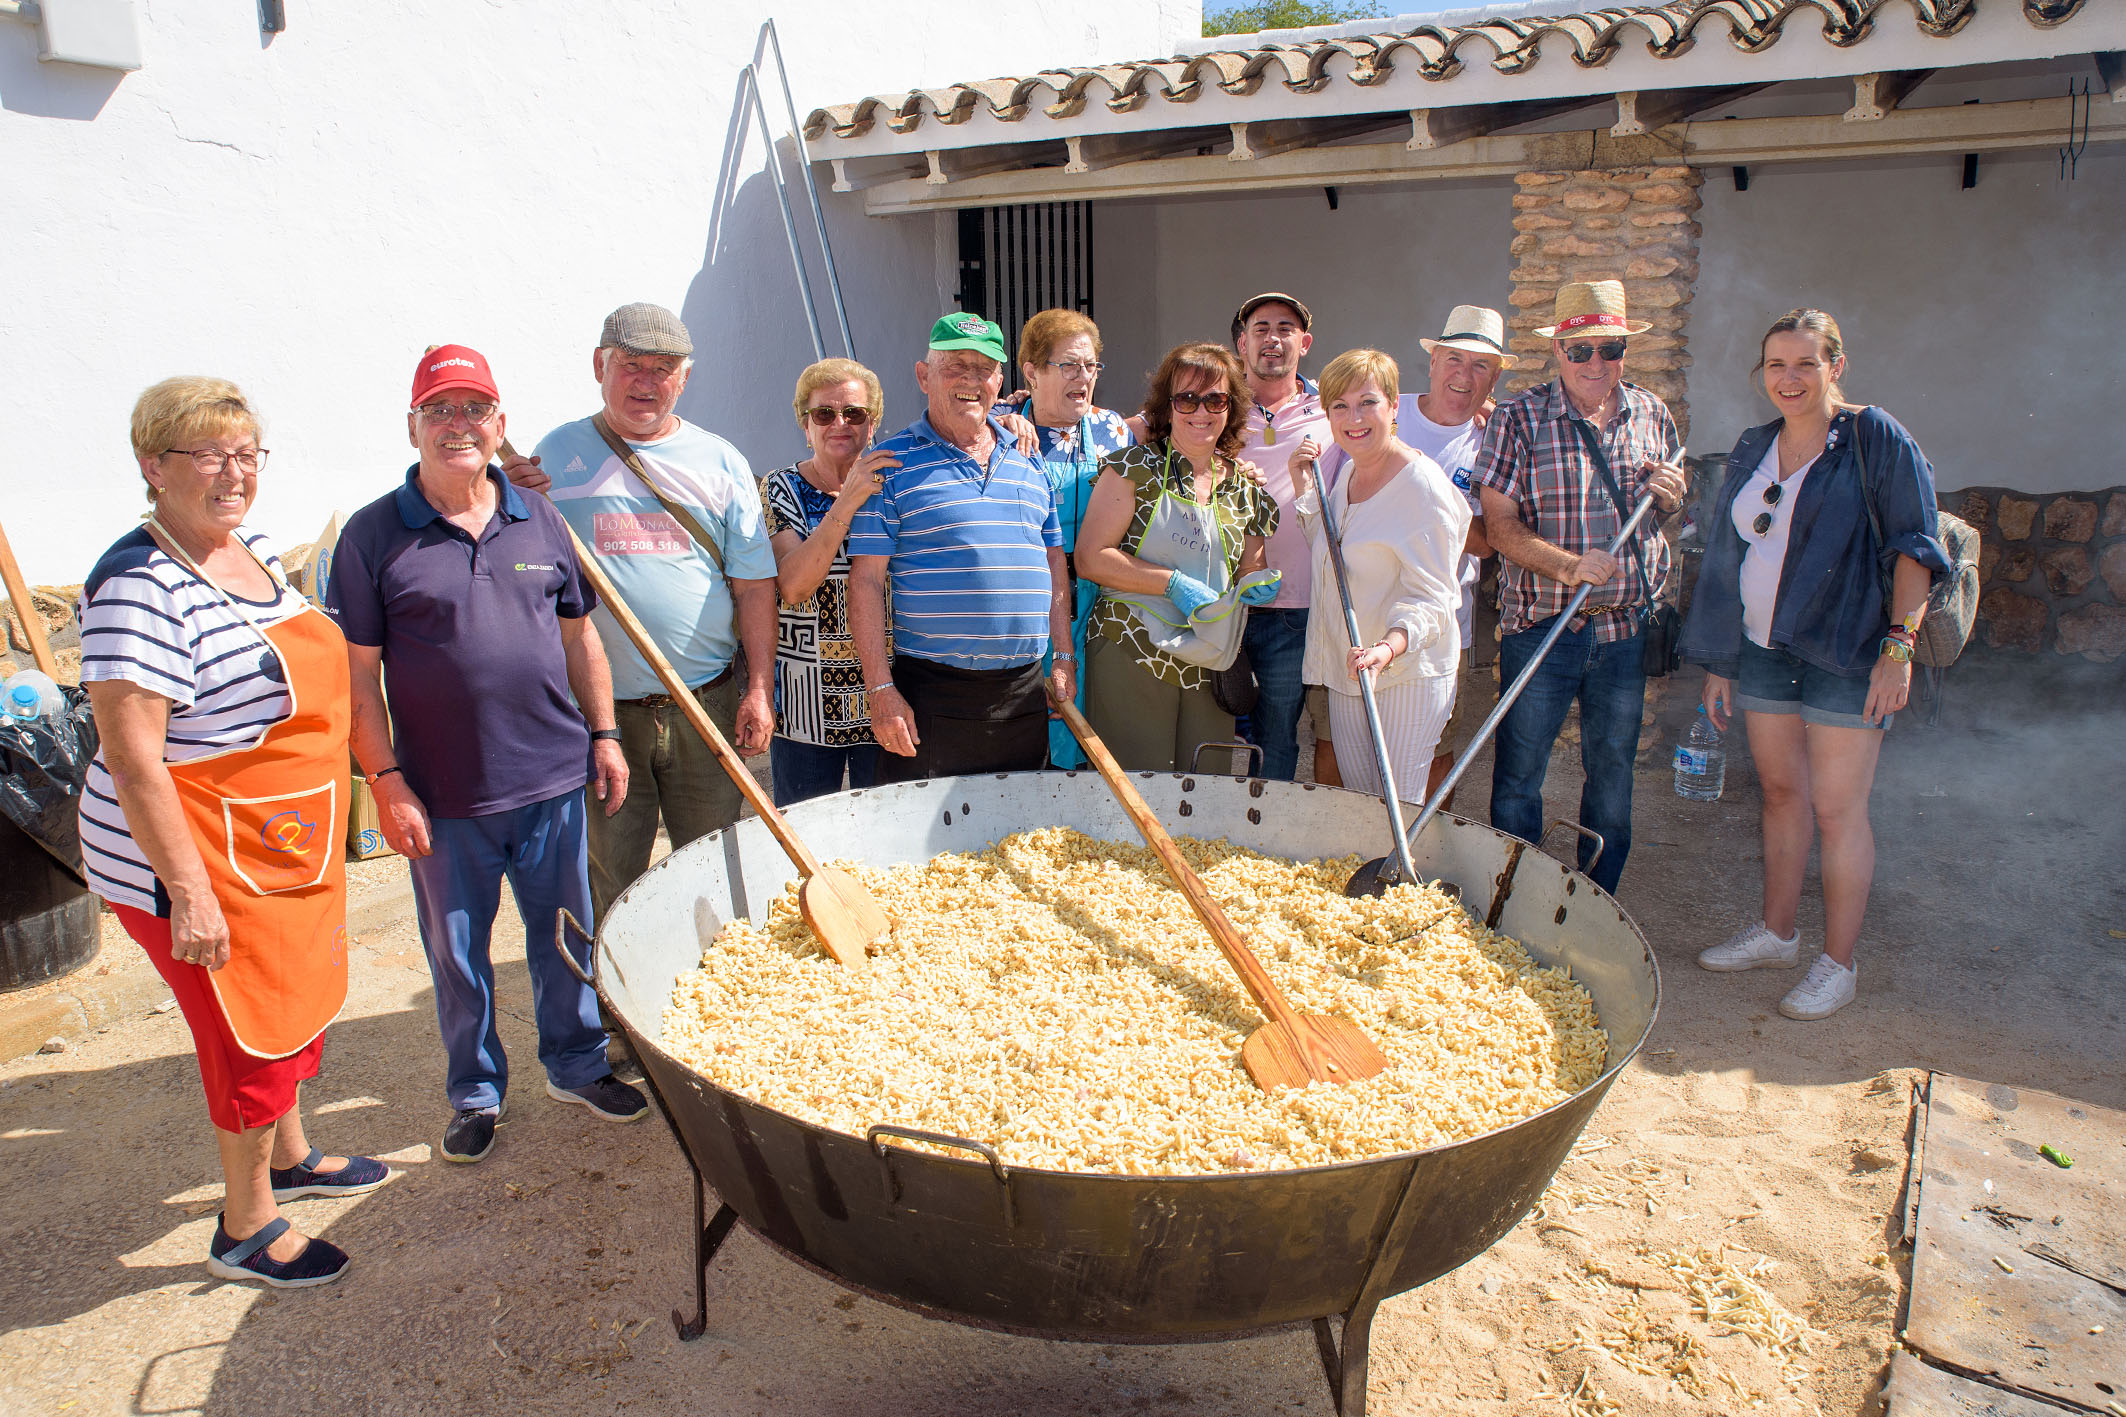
(1789, 621)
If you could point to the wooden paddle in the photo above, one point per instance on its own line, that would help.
(18, 593)
(845, 916)
(1292, 1049)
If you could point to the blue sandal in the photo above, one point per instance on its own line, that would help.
(320, 1262)
(359, 1176)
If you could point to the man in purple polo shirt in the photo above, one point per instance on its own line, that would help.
(468, 598)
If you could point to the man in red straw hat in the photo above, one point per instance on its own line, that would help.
(1558, 469)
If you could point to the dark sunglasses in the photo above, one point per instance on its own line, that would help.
(855, 415)
(1611, 351)
(1772, 493)
(1215, 401)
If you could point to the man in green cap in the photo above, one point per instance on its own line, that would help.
(965, 531)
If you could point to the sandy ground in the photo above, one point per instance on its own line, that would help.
(541, 1280)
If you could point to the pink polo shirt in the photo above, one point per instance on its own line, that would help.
(1297, 418)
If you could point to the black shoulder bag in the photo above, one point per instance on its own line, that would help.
(1660, 627)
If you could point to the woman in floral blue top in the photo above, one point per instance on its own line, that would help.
(822, 722)
(1059, 358)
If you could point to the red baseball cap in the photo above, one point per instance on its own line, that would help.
(452, 366)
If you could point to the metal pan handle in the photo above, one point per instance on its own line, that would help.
(1241, 752)
(876, 1137)
(1589, 832)
(563, 923)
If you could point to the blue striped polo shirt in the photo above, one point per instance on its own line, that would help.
(967, 548)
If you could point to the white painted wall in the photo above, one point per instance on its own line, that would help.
(1382, 270)
(304, 215)
(1989, 322)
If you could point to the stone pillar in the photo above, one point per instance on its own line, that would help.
(1633, 223)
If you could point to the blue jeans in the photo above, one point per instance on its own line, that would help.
(1276, 643)
(1610, 685)
(807, 770)
(543, 851)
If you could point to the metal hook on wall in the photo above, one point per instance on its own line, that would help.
(2078, 99)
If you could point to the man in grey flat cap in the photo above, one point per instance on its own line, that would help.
(673, 515)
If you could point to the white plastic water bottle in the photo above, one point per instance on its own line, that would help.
(30, 694)
(1701, 763)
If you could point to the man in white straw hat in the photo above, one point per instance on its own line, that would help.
(1558, 467)
(1446, 424)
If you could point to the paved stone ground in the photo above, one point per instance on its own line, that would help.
(541, 1280)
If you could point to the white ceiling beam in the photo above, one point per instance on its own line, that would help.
(1877, 94)
(1959, 128)
(1094, 151)
(1443, 127)
(1260, 140)
(2111, 68)
(1647, 109)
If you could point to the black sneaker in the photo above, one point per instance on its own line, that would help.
(609, 1097)
(471, 1134)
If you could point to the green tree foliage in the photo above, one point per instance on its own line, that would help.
(1280, 15)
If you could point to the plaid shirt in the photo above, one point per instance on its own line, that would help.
(1532, 454)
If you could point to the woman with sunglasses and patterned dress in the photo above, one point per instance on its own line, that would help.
(1176, 536)
(1821, 548)
(822, 722)
(1059, 359)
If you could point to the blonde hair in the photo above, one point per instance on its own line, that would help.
(1040, 335)
(186, 408)
(1360, 366)
(1804, 320)
(838, 371)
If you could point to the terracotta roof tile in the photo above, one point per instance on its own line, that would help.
(1437, 53)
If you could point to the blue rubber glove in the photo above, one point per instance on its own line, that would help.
(1188, 594)
(1264, 592)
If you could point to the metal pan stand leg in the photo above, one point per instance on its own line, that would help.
(708, 1239)
(1346, 1369)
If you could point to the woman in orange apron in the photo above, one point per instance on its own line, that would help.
(214, 821)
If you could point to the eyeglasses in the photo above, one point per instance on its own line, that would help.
(1216, 401)
(855, 415)
(1772, 494)
(474, 413)
(212, 460)
(1611, 351)
(1072, 368)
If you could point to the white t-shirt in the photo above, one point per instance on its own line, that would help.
(1454, 449)
(1764, 557)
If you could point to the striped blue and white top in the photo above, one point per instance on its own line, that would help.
(147, 620)
(968, 550)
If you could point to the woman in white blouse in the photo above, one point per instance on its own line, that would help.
(1402, 525)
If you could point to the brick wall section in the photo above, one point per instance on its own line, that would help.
(1637, 224)
(2051, 570)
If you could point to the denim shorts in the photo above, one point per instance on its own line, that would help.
(1774, 681)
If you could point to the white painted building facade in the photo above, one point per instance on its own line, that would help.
(303, 212)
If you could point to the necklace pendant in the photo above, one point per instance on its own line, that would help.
(1269, 432)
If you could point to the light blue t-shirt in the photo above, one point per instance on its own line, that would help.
(670, 583)
(968, 550)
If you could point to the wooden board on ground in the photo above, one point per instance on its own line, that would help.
(1986, 1299)
(1917, 1390)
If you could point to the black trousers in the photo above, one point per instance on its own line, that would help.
(969, 720)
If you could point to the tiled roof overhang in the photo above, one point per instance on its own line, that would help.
(1437, 53)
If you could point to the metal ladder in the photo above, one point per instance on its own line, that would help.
(749, 84)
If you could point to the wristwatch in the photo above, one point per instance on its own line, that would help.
(1897, 650)
(605, 735)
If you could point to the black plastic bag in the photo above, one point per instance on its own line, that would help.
(43, 765)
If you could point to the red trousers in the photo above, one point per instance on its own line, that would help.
(243, 1091)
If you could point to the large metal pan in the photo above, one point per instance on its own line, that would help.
(1111, 1258)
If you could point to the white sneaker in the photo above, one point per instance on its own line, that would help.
(1754, 948)
(1827, 988)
